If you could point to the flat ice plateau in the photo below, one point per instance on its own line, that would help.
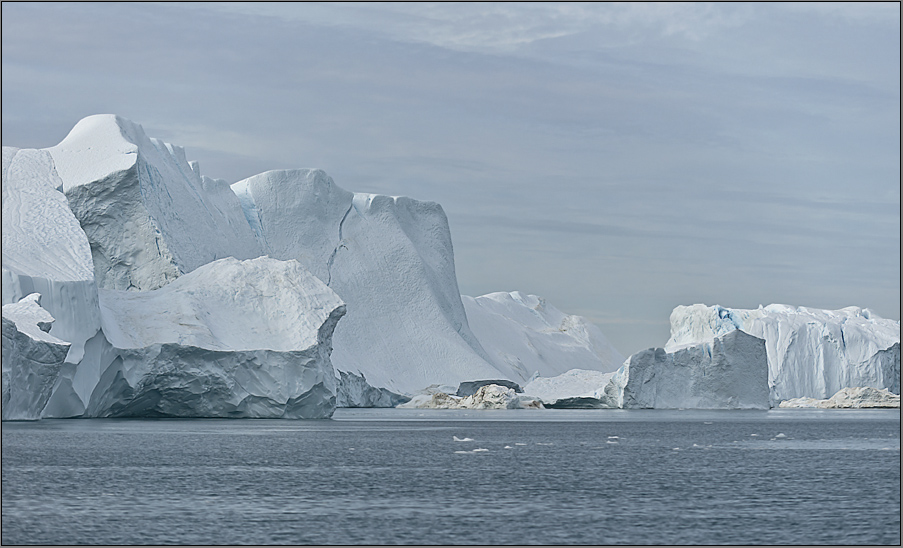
(135, 286)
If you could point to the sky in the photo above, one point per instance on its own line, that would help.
(616, 159)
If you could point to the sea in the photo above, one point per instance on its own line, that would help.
(498, 477)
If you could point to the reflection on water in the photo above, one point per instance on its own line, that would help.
(401, 476)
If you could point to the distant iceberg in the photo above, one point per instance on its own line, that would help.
(811, 353)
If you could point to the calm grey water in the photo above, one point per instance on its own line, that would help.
(395, 476)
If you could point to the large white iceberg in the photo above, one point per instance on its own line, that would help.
(730, 372)
(230, 339)
(811, 353)
(32, 358)
(390, 259)
(524, 336)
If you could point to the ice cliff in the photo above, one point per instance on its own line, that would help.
(811, 353)
(390, 259)
(32, 358)
(525, 336)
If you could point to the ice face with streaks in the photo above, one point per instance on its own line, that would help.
(390, 259)
(811, 353)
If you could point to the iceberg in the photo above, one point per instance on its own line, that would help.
(32, 358)
(811, 353)
(390, 259)
(524, 336)
(229, 339)
(730, 372)
(859, 397)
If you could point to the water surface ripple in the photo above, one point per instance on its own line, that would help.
(399, 477)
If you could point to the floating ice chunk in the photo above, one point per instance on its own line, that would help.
(456, 438)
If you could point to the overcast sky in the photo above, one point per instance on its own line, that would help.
(618, 160)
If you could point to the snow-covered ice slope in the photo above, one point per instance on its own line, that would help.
(32, 358)
(525, 335)
(147, 212)
(811, 353)
(230, 339)
(390, 259)
(45, 251)
(730, 372)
